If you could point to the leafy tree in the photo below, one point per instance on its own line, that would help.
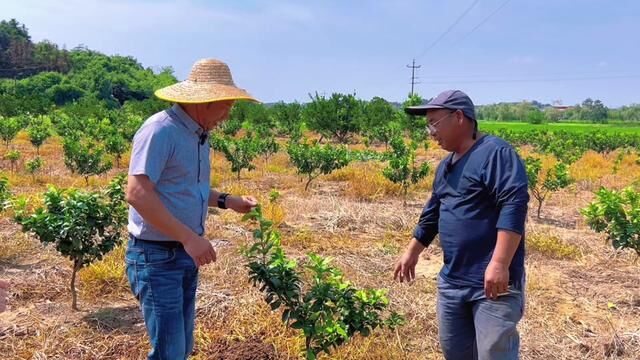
(116, 145)
(385, 133)
(239, 152)
(556, 178)
(288, 119)
(85, 158)
(416, 126)
(314, 160)
(83, 226)
(535, 117)
(338, 116)
(378, 114)
(617, 214)
(268, 146)
(13, 156)
(5, 193)
(402, 168)
(9, 128)
(39, 130)
(329, 310)
(33, 166)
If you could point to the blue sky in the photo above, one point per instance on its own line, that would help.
(282, 50)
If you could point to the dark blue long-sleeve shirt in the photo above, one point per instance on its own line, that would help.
(481, 193)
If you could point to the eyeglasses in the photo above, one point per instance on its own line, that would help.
(433, 126)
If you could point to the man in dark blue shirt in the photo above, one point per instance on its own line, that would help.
(478, 207)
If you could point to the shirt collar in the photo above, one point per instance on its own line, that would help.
(186, 120)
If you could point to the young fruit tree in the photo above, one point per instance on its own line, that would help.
(328, 309)
(9, 128)
(314, 159)
(556, 178)
(39, 130)
(239, 152)
(617, 214)
(13, 156)
(34, 165)
(339, 116)
(116, 145)
(5, 193)
(402, 168)
(268, 146)
(83, 226)
(85, 158)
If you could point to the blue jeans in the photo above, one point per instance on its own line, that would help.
(164, 279)
(474, 327)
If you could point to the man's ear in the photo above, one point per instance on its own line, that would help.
(460, 117)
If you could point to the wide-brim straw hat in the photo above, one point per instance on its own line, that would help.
(210, 80)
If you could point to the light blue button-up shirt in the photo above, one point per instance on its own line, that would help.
(171, 149)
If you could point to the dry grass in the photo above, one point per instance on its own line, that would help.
(365, 181)
(583, 297)
(551, 246)
(594, 170)
(106, 276)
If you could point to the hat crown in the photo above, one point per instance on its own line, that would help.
(211, 71)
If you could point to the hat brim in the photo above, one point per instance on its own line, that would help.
(189, 92)
(422, 109)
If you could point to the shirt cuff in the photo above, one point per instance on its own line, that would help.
(424, 236)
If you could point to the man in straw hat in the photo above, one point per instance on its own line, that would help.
(169, 194)
(479, 207)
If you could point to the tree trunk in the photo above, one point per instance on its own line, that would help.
(404, 197)
(307, 344)
(308, 182)
(74, 296)
(539, 207)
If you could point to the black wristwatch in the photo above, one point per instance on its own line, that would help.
(221, 200)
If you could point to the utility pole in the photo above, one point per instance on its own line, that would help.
(413, 68)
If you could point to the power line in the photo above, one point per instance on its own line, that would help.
(543, 75)
(537, 80)
(449, 29)
(482, 22)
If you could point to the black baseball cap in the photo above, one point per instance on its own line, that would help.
(450, 99)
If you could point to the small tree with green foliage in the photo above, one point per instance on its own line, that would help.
(9, 128)
(416, 126)
(328, 309)
(338, 116)
(13, 156)
(268, 146)
(556, 178)
(33, 166)
(385, 133)
(288, 119)
(83, 226)
(39, 130)
(116, 145)
(85, 158)
(402, 168)
(5, 193)
(314, 159)
(239, 152)
(617, 214)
